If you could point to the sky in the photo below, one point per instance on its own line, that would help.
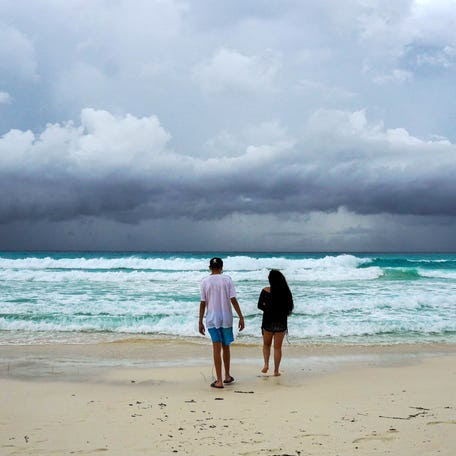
(267, 125)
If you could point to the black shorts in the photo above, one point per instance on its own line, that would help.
(274, 328)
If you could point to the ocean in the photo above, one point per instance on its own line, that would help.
(339, 298)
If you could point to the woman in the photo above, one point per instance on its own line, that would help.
(276, 302)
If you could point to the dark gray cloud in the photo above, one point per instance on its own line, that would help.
(341, 231)
(121, 168)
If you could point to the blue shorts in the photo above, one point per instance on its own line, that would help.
(223, 335)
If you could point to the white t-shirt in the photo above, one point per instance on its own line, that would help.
(217, 291)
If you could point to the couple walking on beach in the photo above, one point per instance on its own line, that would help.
(218, 298)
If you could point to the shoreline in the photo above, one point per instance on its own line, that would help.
(24, 338)
(63, 360)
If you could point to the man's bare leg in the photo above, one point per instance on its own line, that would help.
(226, 361)
(217, 348)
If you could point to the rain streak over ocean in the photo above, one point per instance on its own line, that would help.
(339, 298)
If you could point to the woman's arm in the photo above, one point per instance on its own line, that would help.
(261, 303)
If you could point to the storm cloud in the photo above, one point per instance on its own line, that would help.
(165, 113)
(123, 168)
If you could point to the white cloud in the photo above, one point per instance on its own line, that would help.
(5, 98)
(395, 76)
(398, 35)
(283, 61)
(356, 127)
(231, 70)
(445, 57)
(231, 144)
(17, 54)
(100, 145)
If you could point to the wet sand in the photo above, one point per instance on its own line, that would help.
(153, 397)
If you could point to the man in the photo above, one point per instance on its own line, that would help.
(219, 296)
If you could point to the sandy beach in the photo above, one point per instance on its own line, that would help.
(153, 397)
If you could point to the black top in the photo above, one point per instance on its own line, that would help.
(274, 320)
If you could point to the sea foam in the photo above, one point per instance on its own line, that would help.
(340, 298)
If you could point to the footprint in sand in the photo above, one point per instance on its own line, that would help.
(441, 422)
(379, 437)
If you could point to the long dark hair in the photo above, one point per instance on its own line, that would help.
(281, 296)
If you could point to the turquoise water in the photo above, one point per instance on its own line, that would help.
(340, 298)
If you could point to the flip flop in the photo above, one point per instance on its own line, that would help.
(227, 382)
(213, 385)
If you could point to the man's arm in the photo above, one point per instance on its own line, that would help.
(237, 308)
(202, 329)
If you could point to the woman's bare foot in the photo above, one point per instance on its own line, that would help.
(265, 369)
(277, 374)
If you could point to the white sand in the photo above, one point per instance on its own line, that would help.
(69, 400)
